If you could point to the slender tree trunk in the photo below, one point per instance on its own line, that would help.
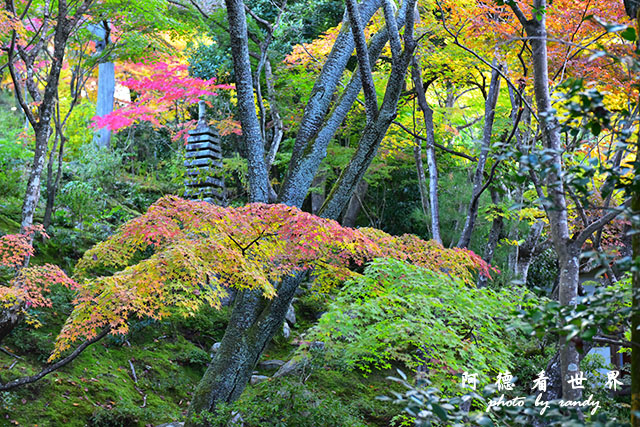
(278, 130)
(355, 204)
(427, 113)
(478, 178)
(526, 251)
(53, 185)
(634, 10)
(32, 196)
(494, 237)
(422, 182)
(568, 253)
(635, 316)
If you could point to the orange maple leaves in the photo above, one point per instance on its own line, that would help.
(29, 286)
(182, 254)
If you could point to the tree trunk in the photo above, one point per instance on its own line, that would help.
(525, 252)
(32, 195)
(494, 237)
(568, 253)
(307, 159)
(427, 113)
(104, 104)
(317, 198)
(255, 320)
(253, 323)
(478, 178)
(53, 185)
(634, 11)
(355, 205)
(251, 132)
(635, 317)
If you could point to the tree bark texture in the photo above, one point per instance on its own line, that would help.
(568, 252)
(478, 178)
(427, 113)
(306, 160)
(254, 319)
(251, 131)
(355, 205)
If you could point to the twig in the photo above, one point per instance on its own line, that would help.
(442, 147)
(133, 372)
(10, 354)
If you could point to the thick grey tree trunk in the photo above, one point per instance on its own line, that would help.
(255, 320)
(478, 178)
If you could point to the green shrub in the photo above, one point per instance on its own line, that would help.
(120, 416)
(403, 313)
(194, 356)
(286, 403)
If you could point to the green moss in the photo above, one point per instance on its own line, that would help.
(100, 381)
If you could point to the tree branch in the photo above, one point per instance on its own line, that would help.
(362, 52)
(59, 364)
(392, 29)
(596, 225)
(442, 147)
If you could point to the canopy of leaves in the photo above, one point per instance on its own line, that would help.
(185, 253)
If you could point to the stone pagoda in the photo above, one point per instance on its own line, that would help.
(203, 160)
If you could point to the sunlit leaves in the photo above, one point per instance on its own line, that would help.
(182, 254)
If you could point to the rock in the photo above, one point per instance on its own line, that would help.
(291, 315)
(215, 347)
(237, 419)
(292, 367)
(286, 330)
(176, 424)
(270, 364)
(319, 345)
(257, 379)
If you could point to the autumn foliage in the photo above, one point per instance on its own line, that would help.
(181, 254)
(29, 286)
(163, 91)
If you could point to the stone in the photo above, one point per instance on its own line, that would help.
(292, 367)
(270, 364)
(257, 379)
(176, 424)
(291, 315)
(286, 330)
(215, 347)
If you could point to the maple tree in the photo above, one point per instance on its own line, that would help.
(29, 286)
(195, 251)
(163, 93)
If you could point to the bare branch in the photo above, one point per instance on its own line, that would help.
(484, 61)
(442, 147)
(596, 225)
(33, 378)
